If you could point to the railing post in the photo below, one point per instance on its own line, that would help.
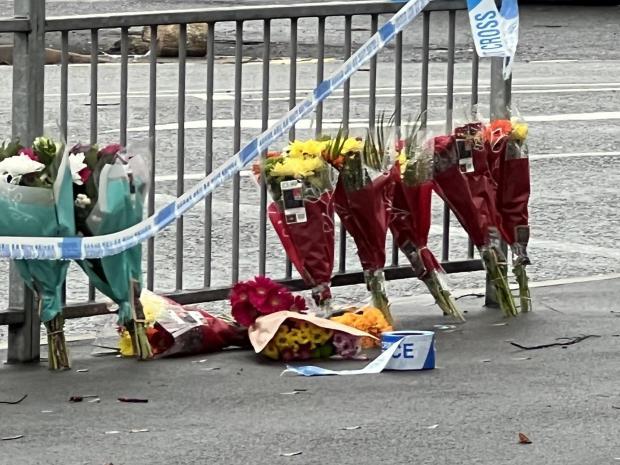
(28, 98)
(500, 109)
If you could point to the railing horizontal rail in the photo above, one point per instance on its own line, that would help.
(238, 13)
(187, 297)
(14, 25)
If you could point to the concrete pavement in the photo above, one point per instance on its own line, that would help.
(469, 411)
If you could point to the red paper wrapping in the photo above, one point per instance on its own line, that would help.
(411, 218)
(186, 331)
(513, 194)
(309, 245)
(365, 214)
(454, 188)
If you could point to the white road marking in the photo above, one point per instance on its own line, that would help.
(360, 122)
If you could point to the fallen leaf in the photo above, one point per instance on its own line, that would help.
(11, 438)
(523, 439)
(351, 428)
(290, 454)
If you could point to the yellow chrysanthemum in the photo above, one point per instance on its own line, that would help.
(352, 144)
(297, 167)
(314, 148)
(519, 129)
(125, 345)
(295, 149)
(271, 351)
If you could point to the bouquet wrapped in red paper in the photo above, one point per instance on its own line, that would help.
(301, 184)
(411, 215)
(279, 330)
(508, 158)
(463, 180)
(363, 201)
(174, 330)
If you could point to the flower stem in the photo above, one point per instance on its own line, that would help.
(56, 345)
(375, 283)
(137, 327)
(442, 296)
(524, 289)
(495, 264)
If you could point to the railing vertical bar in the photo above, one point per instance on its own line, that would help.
(320, 71)
(64, 84)
(474, 102)
(445, 249)
(398, 110)
(262, 238)
(64, 106)
(209, 152)
(372, 79)
(426, 22)
(292, 101)
(94, 88)
(346, 111)
(236, 148)
(150, 257)
(180, 150)
(124, 82)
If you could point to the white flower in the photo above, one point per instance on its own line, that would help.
(76, 164)
(82, 201)
(13, 168)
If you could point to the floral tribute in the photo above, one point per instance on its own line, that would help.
(363, 201)
(301, 184)
(36, 200)
(280, 331)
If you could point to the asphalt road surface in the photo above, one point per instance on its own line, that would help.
(565, 83)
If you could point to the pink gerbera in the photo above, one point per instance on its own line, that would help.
(277, 300)
(259, 288)
(299, 304)
(244, 313)
(240, 293)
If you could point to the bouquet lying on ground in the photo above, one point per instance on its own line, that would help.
(174, 330)
(36, 200)
(463, 180)
(363, 201)
(411, 215)
(301, 184)
(278, 330)
(509, 163)
(110, 187)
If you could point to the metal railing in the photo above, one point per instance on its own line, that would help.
(285, 22)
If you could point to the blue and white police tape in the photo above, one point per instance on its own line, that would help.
(71, 248)
(495, 33)
(402, 350)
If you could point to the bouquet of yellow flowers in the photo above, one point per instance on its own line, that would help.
(301, 184)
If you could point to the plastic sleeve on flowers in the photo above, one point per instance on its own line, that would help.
(310, 245)
(365, 214)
